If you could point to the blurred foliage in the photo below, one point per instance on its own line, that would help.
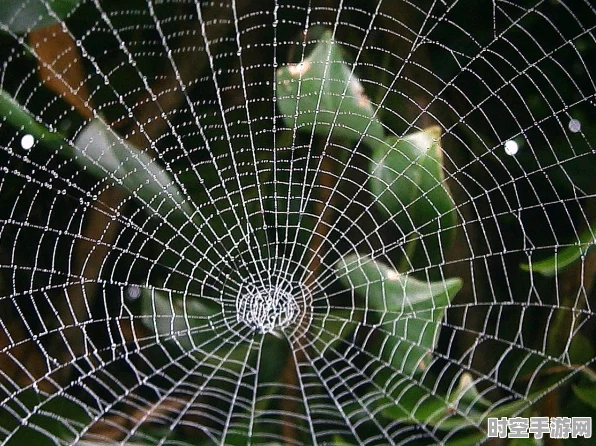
(323, 99)
(322, 94)
(22, 17)
(566, 256)
(409, 311)
(407, 177)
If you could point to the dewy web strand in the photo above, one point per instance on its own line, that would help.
(317, 222)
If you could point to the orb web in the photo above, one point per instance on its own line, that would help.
(265, 309)
(280, 222)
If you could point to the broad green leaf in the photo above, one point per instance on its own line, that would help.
(17, 116)
(106, 156)
(321, 94)
(464, 407)
(410, 311)
(101, 152)
(553, 265)
(23, 16)
(192, 324)
(581, 350)
(408, 179)
(397, 294)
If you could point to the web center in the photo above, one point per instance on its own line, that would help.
(266, 308)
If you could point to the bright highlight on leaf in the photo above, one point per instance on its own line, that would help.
(410, 311)
(408, 180)
(106, 155)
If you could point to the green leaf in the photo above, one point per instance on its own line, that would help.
(586, 392)
(407, 178)
(553, 265)
(17, 116)
(410, 311)
(463, 407)
(106, 156)
(24, 16)
(311, 93)
(191, 323)
(581, 350)
(387, 290)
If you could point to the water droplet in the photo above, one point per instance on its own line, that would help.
(27, 141)
(511, 147)
(133, 292)
(574, 126)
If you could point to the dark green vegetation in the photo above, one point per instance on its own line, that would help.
(435, 281)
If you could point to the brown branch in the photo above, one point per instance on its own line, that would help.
(327, 182)
(60, 67)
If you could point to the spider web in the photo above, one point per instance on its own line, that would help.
(120, 323)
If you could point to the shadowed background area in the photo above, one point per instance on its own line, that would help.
(294, 222)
